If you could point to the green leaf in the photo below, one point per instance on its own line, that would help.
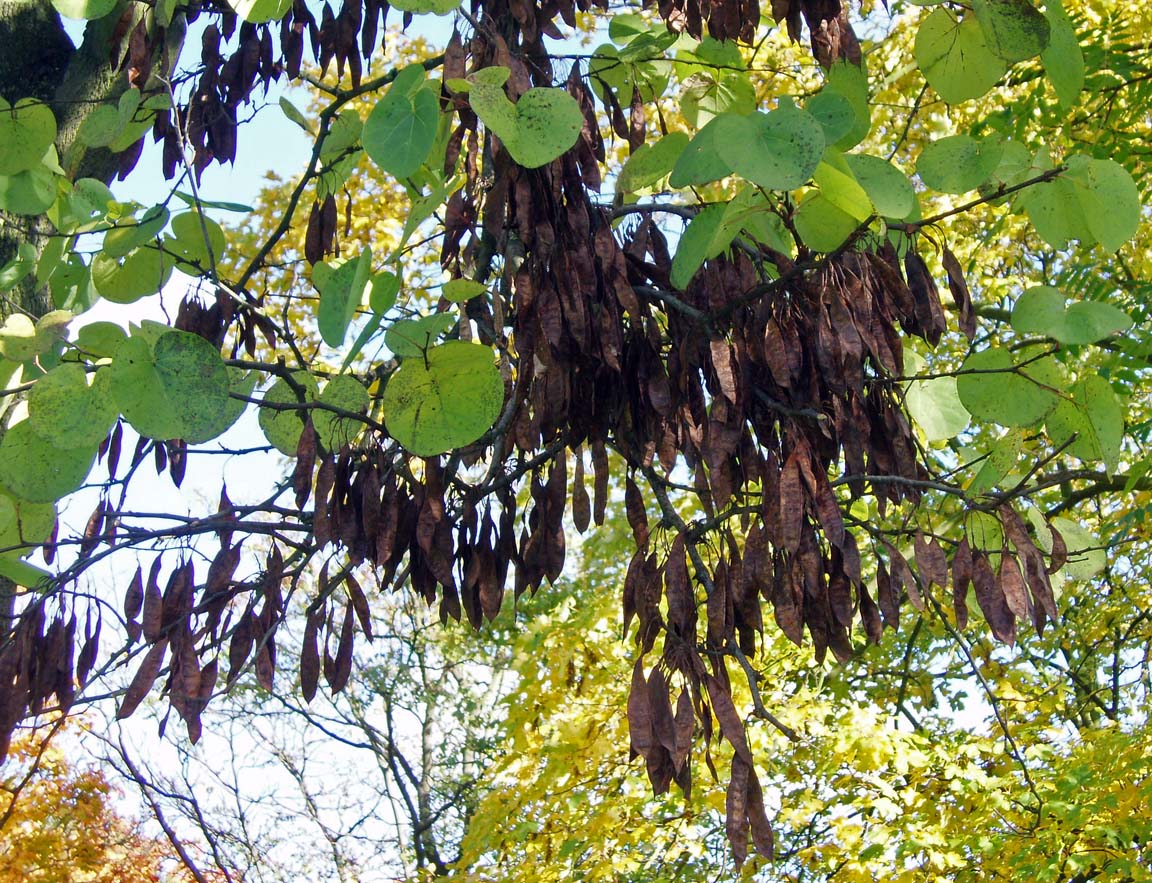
(984, 531)
(84, 9)
(1015, 29)
(38, 472)
(341, 284)
(241, 383)
(197, 243)
(705, 96)
(996, 388)
(701, 163)
(707, 235)
(1095, 417)
(955, 58)
(1041, 310)
(101, 127)
(851, 81)
(191, 200)
(751, 211)
(410, 338)
(651, 162)
(935, 406)
(67, 411)
(1086, 558)
(141, 273)
(834, 112)
(382, 294)
(101, 339)
(401, 129)
(641, 67)
(1055, 213)
(24, 523)
(889, 189)
(28, 193)
(258, 11)
(130, 233)
(1108, 198)
(458, 291)
(90, 199)
(71, 285)
(958, 163)
(839, 186)
(626, 26)
(22, 573)
(341, 146)
(712, 53)
(346, 392)
(778, 150)
(821, 225)
(21, 266)
(1063, 60)
(999, 462)
(447, 400)
(21, 339)
(435, 7)
(283, 428)
(541, 126)
(293, 113)
(27, 130)
(176, 388)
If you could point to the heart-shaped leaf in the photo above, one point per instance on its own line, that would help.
(458, 291)
(955, 58)
(401, 128)
(700, 162)
(443, 401)
(778, 150)
(411, 338)
(541, 126)
(283, 426)
(651, 162)
(31, 192)
(958, 163)
(1015, 29)
(1012, 392)
(1042, 310)
(1091, 419)
(347, 393)
(888, 188)
(23, 522)
(141, 273)
(176, 388)
(27, 130)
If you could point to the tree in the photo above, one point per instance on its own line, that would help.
(59, 824)
(795, 423)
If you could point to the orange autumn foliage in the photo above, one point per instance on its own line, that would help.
(61, 825)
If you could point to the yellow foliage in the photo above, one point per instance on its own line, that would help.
(59, 824)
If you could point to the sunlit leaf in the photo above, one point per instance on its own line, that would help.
(955, 57)
(38, 472)
(443, 401)
(1041, 310)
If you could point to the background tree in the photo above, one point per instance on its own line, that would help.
(60, 823)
